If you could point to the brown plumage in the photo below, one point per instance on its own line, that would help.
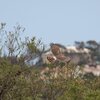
(50, 59)
(55, 49)
(63, 58)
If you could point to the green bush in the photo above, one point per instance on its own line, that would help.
(24, 83)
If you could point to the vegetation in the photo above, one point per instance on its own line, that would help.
(93, 46)
(53, 82)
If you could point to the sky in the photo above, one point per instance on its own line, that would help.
(58, 21)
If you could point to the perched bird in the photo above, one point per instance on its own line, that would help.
(51, 58)
(55, 49)
(63, 58)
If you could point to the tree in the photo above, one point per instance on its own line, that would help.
(2, 32)
(13, 42)
(79, 45)
(95, 49)
(34, 50)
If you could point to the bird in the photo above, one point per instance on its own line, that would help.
(63, 58)
(60, 56)
(55, 49)
(51, 58)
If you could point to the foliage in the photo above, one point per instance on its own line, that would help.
(34, 49)
(93, 46)
(53, 82)
(25, 83)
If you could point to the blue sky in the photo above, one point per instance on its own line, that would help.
(61, 21)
